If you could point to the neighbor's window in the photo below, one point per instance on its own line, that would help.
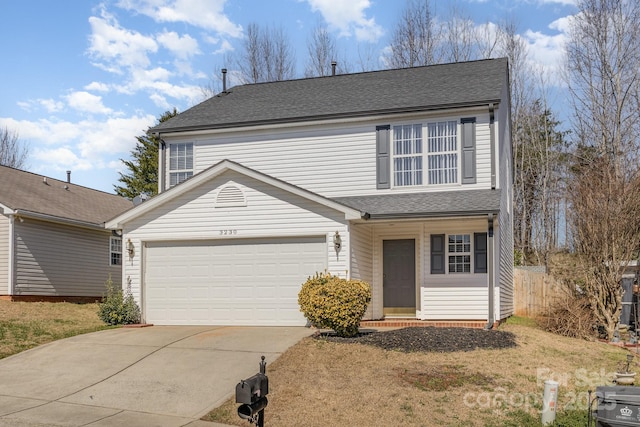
(115, 250)
(442, 143)
(180, 162)
(407, 155)
(459, 249)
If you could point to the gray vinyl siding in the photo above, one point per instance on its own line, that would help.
(4, 255)
(61, 260)
(505, 219)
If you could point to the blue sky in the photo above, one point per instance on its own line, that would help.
(82, 78)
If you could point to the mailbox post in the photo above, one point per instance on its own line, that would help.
(252, 394)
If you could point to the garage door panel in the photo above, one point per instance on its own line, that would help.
(244, 282)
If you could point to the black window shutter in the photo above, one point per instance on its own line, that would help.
(480, 252)
(437, 254)
(383, 160)
(468, 150)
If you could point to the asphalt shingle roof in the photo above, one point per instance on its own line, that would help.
(348, 95)
(26, 191)
(442, 203)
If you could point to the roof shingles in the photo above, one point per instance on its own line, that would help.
(29, 192)
(347, 95)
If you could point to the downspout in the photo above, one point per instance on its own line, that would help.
(490, 272)
(163, 162)
(11, 260)
(492, 137)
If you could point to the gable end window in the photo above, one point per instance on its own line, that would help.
(115, 251)
(180, 162)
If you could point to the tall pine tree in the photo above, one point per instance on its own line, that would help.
(143, 166)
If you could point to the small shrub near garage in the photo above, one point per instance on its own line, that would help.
(118, 307)
(331, 302)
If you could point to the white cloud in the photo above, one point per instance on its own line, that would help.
(60, 158)
(87, 102)
(97, 87)
(561, 2)
(114, 47)
(348, 17)
(159, 100)
(182, 47)
(82, 145)
(224, 48)
(207, 14)
(547, 50)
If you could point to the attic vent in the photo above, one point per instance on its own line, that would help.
(230, 196)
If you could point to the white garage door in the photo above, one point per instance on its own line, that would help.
(234, 282)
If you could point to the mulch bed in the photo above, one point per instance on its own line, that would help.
(430, 339)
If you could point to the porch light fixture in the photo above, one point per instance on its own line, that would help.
(337, 242)
(130, 248)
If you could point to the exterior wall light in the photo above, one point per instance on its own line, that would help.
(130, 248)
(337, 242)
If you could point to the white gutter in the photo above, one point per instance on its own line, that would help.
(58, 220)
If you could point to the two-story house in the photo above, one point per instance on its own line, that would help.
(401, 178)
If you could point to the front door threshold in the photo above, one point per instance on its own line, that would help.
(399, 312)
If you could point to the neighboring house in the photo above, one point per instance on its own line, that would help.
(401, 178)
(53, 243)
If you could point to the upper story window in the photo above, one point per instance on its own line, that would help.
(180, 162)
(115, 250)
(441, 154)
(407, 154)
(442, 140)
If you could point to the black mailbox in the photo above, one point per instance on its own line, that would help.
(255, 386)
(252, 394)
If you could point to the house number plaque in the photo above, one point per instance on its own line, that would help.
(228, 232)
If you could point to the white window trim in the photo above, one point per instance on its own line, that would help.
(112, 252)
(188, 172)
(469, 253)
(425, 153)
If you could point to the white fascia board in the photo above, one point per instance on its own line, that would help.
(117, 222)
(7, 210)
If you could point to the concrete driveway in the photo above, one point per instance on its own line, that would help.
(154, 376)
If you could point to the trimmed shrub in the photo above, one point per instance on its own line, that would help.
(331, 302)
(117, 308)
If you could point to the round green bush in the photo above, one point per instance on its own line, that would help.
(331, 302)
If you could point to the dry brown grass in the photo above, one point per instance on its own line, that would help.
(24, 325)
(322, 383)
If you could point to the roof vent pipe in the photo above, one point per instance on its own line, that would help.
(224, 80)
(69, 177)
(333, 68)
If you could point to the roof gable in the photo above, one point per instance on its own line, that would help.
(214, 171)
(347, 95)
(32, 194)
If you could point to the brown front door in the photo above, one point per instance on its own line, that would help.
(399, 277)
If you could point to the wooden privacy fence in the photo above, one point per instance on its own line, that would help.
(533, 292)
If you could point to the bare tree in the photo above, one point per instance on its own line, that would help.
(268, 55)
(13, 152)
(603, 77)
(459, 36)
(417, 37)
(322, 50)
(604, 218)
